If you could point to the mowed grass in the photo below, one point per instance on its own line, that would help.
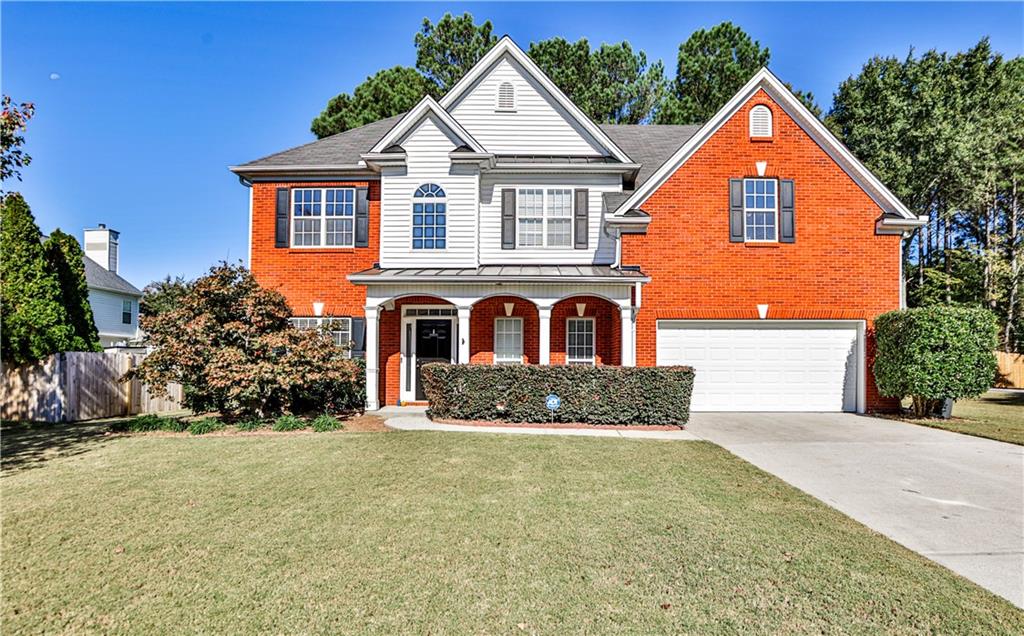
(996, 415)
(449, 533)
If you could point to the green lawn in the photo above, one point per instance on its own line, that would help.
(445, 533)
(995, 415)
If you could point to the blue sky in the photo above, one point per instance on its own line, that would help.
(155, 100)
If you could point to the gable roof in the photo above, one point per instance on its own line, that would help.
(99, 277)
(506, 46)
(765, 80)
(426, 106)
(649, 144)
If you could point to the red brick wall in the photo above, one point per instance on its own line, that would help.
(607, 327)
(837, 268)
(307, 275)
(481, 328)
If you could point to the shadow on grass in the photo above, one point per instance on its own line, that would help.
(26, 445)
(1004, 397)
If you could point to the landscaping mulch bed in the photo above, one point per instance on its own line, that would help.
(606, 427)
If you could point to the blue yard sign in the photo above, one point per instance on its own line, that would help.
(553, 402)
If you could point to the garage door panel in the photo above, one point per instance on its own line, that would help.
(771, 367)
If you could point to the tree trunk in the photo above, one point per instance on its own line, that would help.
(1011, 308)
(947, 246)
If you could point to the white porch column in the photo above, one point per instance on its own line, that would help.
(544, 314)
(628, 352)
(372, 358)
(464, 334)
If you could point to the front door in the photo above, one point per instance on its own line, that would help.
(433, 344)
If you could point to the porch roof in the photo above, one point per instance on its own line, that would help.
(556, 274)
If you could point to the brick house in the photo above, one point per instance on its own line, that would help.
(500, 225)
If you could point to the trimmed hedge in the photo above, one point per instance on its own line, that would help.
(590, 395)
(935, 353)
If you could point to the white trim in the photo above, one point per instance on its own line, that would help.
(494, 347)
(407, 359)
(592, 360)
(750, 122)
(764, 79)
(249, 264)
(426, 106)
(860, 325)
(322, 217)
(506, 45)
(775, 211)
(544, 217)
(413, 200)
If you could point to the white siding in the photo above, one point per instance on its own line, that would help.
(427, 146)
(106, 313)
(601, 247)
(539, 126)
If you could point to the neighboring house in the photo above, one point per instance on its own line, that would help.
(114, 301)
(500, 225)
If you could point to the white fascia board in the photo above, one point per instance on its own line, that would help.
(426, 105)
(565, 168)
(506, 45)
(804, 118)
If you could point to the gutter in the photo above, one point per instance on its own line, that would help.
(371, 279)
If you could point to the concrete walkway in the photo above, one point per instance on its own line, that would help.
(956, 499)
(414, 418)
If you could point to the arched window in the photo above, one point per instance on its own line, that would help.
(429, 218)
(760, 121)
(506, 97)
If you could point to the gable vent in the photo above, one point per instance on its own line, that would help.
(760, 121)
(506, 97)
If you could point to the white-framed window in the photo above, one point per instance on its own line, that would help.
(508, 341)
(340, 328)
(760, 121)
(429, 218)
(760, 210)
(544, 216)
(323, 217)
(579, 341)
(126, 312)
(506, 100)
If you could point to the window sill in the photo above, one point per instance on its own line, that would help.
(322, 250)
(764, 245)
(762, 140)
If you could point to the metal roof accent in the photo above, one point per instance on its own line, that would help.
(550, 274)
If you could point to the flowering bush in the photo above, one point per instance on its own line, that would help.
(231, 346)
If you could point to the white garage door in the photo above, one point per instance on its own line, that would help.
(765, 366)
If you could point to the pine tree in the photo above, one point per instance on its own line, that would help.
(64, 257)
(34, 321)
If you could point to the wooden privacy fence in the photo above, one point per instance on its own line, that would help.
(1011, 370)
(78, 385)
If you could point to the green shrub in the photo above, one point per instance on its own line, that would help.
(592, 395)
(327, 423)
(147, 423)
(935, 353)
(254, 424)
(288, 423)
(205, 425)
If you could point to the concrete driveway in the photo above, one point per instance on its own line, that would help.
(956, 499)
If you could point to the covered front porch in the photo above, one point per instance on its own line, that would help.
(493, 315)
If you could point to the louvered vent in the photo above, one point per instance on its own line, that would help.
(760, 121)
(506, 97)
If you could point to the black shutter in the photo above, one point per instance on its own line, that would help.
(582, 214)
(736, 210)
(284, 200)
(362, 218)
(359, 337)
(787, 221)
(508, 219)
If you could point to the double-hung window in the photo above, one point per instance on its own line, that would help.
(760, 210)
(339, 328)
(126, 312)
(508, 340)
(579, 341)
(544, 217)
(323, 217)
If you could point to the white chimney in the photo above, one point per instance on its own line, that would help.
(101, 246)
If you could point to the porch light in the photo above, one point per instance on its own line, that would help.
(580, 308)
(318, 309)
(762, 311)
(508, 308)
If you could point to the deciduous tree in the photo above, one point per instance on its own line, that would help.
(13, 121)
